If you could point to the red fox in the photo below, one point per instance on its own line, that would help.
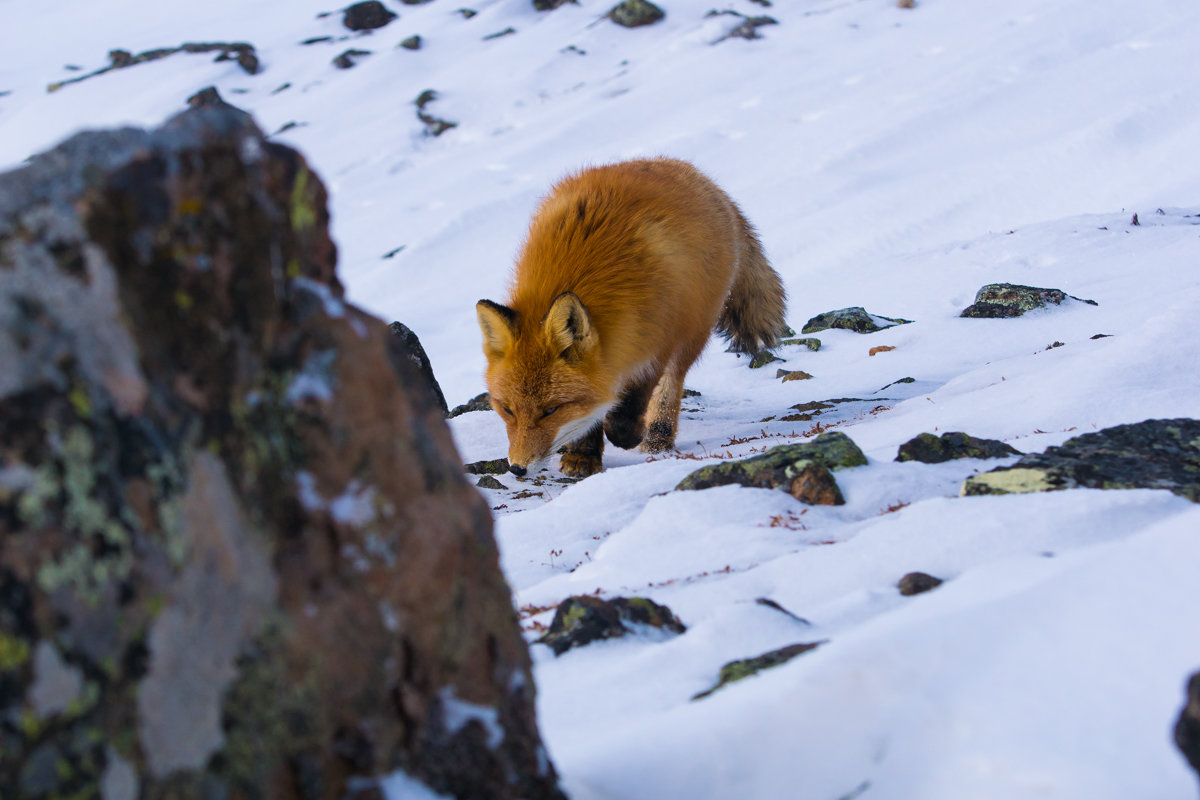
(624, 274)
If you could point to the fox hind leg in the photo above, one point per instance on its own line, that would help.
(584, 456)
(662, 414)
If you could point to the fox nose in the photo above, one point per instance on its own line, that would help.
(517, 469)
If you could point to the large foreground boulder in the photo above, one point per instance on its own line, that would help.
(238, 558)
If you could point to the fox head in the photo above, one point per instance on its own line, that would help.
(538, 376)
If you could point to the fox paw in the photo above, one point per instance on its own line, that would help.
(580, 465)
(659, 439)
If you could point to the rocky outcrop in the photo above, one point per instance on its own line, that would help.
(480, 402)
(930, 449)
(855, 318)
(586, 619)
(1155, 454)
(238, 555)
(996, 300)
(801, 469)
(743, 668)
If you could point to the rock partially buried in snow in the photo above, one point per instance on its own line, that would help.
(917, 583)
(635, 13)
(408, 346)
(480, 402)
(801, 469)
(743, 668)
(930, 449)
(240, 558)
(1187, 727)
(1155, 454)
(367, 15)
(585, 619)
(999, 300)
(854, 319)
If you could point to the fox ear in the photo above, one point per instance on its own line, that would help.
(499, 326)
(568, 328)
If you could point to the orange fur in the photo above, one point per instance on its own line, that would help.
(625, 272)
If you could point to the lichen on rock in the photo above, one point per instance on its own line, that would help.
(930, 449)
(802, 469)
(737, 670)
(584, 619)
(1000, 300)
(1154, 454)
(240, 555)
(854, 318)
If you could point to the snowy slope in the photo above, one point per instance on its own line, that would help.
(894, 159)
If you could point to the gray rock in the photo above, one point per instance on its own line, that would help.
(635, 13)
(930, 449)
(409, 346)
(367, 15)
(917, 583)
(585, 619)
(1155, 454)
(998, 300)
(854, 318)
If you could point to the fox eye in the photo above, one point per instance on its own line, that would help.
(550, 411)
(505, 409)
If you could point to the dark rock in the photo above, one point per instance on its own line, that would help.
(899, 380)
(488, 482)
(792, 375)
(762, 358)
(997, 300)
(585, 619)
(240, 558)
(407, 345)
(497, 466)
(930, 449)
(433, 125)
(367, 15)
(550, 5)
(480, 402)
(1155, 454)
(801, 469)
(350, 58)
(746, 29)
(854, 319)
(207, 97)
(411, 43)
(635, 13)
(415, 2)
(737, 670)
(812, 406)
(1187, 728)
(467, 13)
(500, 34)
(811, 344)
(917, 583)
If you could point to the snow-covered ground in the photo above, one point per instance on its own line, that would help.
(893, 159)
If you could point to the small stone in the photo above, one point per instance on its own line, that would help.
(497, 466)
(488, 482)
(367, 15)
(208, 97)
(762, 358)
(814, 484)
(350, 58)
(411, 43)
(906, 4)
(792, 375)
(930, 449)
(917, 583)
(550, 5)
(744, 668)
(500, 34)
(581, 620)
(811, 343)
(854, 318)
(635, 13)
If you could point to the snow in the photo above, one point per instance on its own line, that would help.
(892, 159)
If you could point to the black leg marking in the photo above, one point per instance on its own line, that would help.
(623, 424)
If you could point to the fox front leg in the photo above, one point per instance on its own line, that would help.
(582, 457)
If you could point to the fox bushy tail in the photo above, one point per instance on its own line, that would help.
(753, 317)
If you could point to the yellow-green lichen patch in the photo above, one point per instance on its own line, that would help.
(14, 652)
(1019, 480)
(303, 215)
